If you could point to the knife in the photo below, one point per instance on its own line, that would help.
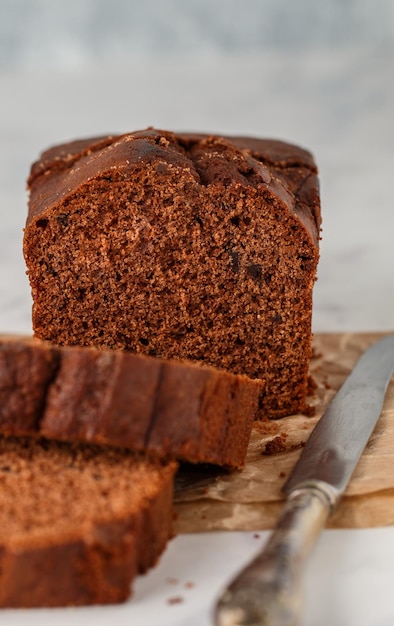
(268, 591)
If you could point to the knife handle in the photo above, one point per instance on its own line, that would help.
(268, 592)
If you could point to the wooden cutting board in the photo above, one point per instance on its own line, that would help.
(207, 499)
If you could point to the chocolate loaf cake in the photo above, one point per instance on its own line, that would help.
(77, 523)
(180, 246)
(167, 408)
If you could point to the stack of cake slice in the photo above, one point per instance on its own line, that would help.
(172, 282)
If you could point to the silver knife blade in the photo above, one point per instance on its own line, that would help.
(268, 591)
(340, 436)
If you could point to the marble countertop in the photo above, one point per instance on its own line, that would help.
(338, 103)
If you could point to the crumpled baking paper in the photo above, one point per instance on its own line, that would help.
(251, 499)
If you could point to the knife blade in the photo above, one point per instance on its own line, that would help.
(268, 592)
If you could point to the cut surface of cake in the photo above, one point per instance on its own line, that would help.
(167, 408)
(180, 246)
(78, 523)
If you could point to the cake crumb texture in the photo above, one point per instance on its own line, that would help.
(180, 246)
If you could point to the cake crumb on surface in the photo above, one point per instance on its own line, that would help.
(277, 444)
(189, 585)
(175, 600)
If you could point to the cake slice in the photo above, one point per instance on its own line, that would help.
(78, 522)
(180, 246)
(170, 409)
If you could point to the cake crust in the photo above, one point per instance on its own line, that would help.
(168, 409)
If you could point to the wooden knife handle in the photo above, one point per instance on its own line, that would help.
(268, 592)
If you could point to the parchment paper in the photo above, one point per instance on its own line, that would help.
(208, 499)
